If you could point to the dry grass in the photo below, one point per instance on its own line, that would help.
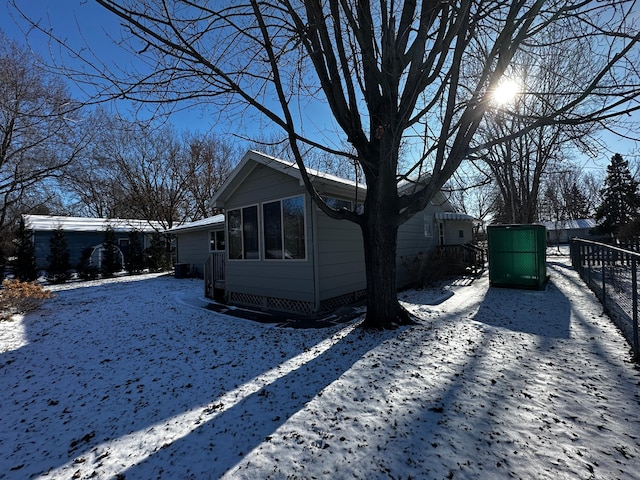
(20, 297)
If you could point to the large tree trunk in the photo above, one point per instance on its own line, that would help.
(380, 238)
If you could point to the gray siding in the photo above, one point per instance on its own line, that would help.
(452, 230)
(290, 279)
(412, 241)
(193, 248)
(278, 279)
(340, 255)
(263, 184)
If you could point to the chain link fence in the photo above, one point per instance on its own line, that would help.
(611, 273)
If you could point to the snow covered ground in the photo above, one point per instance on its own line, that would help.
(128, 379)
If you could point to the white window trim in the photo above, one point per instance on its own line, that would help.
(327, 197)
(224, 231)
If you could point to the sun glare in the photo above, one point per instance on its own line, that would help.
(506, 92)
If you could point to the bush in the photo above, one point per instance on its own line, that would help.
(86, 271)
(157, 254)
(58, 270)
(111, 263)
(21, 297)
(24, 265)
(134, 260)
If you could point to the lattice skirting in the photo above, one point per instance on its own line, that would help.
(271, 303)
(342, 300)
(294, 306)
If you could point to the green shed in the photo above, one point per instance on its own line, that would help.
(517, 256)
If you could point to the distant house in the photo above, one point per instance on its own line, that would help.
(83, 232)
(564, 230)
(277, 250)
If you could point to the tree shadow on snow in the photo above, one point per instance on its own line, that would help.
(88, 375)
(232, 434)
(546, 313)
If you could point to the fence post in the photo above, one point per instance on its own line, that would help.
(588, 251)
(634, 278)
(604, 282)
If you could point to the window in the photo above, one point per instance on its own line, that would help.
(242, 227)
(428, 226)
(123, 244)
(460, 233)
(284, 236)
(272, 230)
(216, 241)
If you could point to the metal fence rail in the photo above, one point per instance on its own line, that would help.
(611, 272)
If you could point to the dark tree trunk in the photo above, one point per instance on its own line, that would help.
(380, 235)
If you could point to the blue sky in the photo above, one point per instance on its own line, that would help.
(82, 21)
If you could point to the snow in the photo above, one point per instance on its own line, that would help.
(131, 378)
(89, 224)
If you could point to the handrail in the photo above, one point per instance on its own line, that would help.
(606, 245)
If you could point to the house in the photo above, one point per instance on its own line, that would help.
(281, 252)
(84, 232)
(196, 241)
(564, 230)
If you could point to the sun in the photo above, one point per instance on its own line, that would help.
(506, 92)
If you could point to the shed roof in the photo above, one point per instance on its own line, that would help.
(454, 216)
(579, 224)
(89, 224)
(198, 224)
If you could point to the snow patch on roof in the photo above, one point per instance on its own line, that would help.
(579, 224)
(89, 224)
(198, 224)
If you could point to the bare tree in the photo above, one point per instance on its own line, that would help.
(592, 184)
(135, 171)
(408, 84)
(209, 161)
(519, 165)
(39, 133)
(472, 191)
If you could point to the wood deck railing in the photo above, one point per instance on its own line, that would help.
(214, 274)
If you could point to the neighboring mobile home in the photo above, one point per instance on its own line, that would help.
(283, 253)
(564, 230)
(84, 232)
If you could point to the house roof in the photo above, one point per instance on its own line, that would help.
(454, 216)
(198, 224)
(88, 224)
(579, 224)
(253, 158)
(288, 168)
